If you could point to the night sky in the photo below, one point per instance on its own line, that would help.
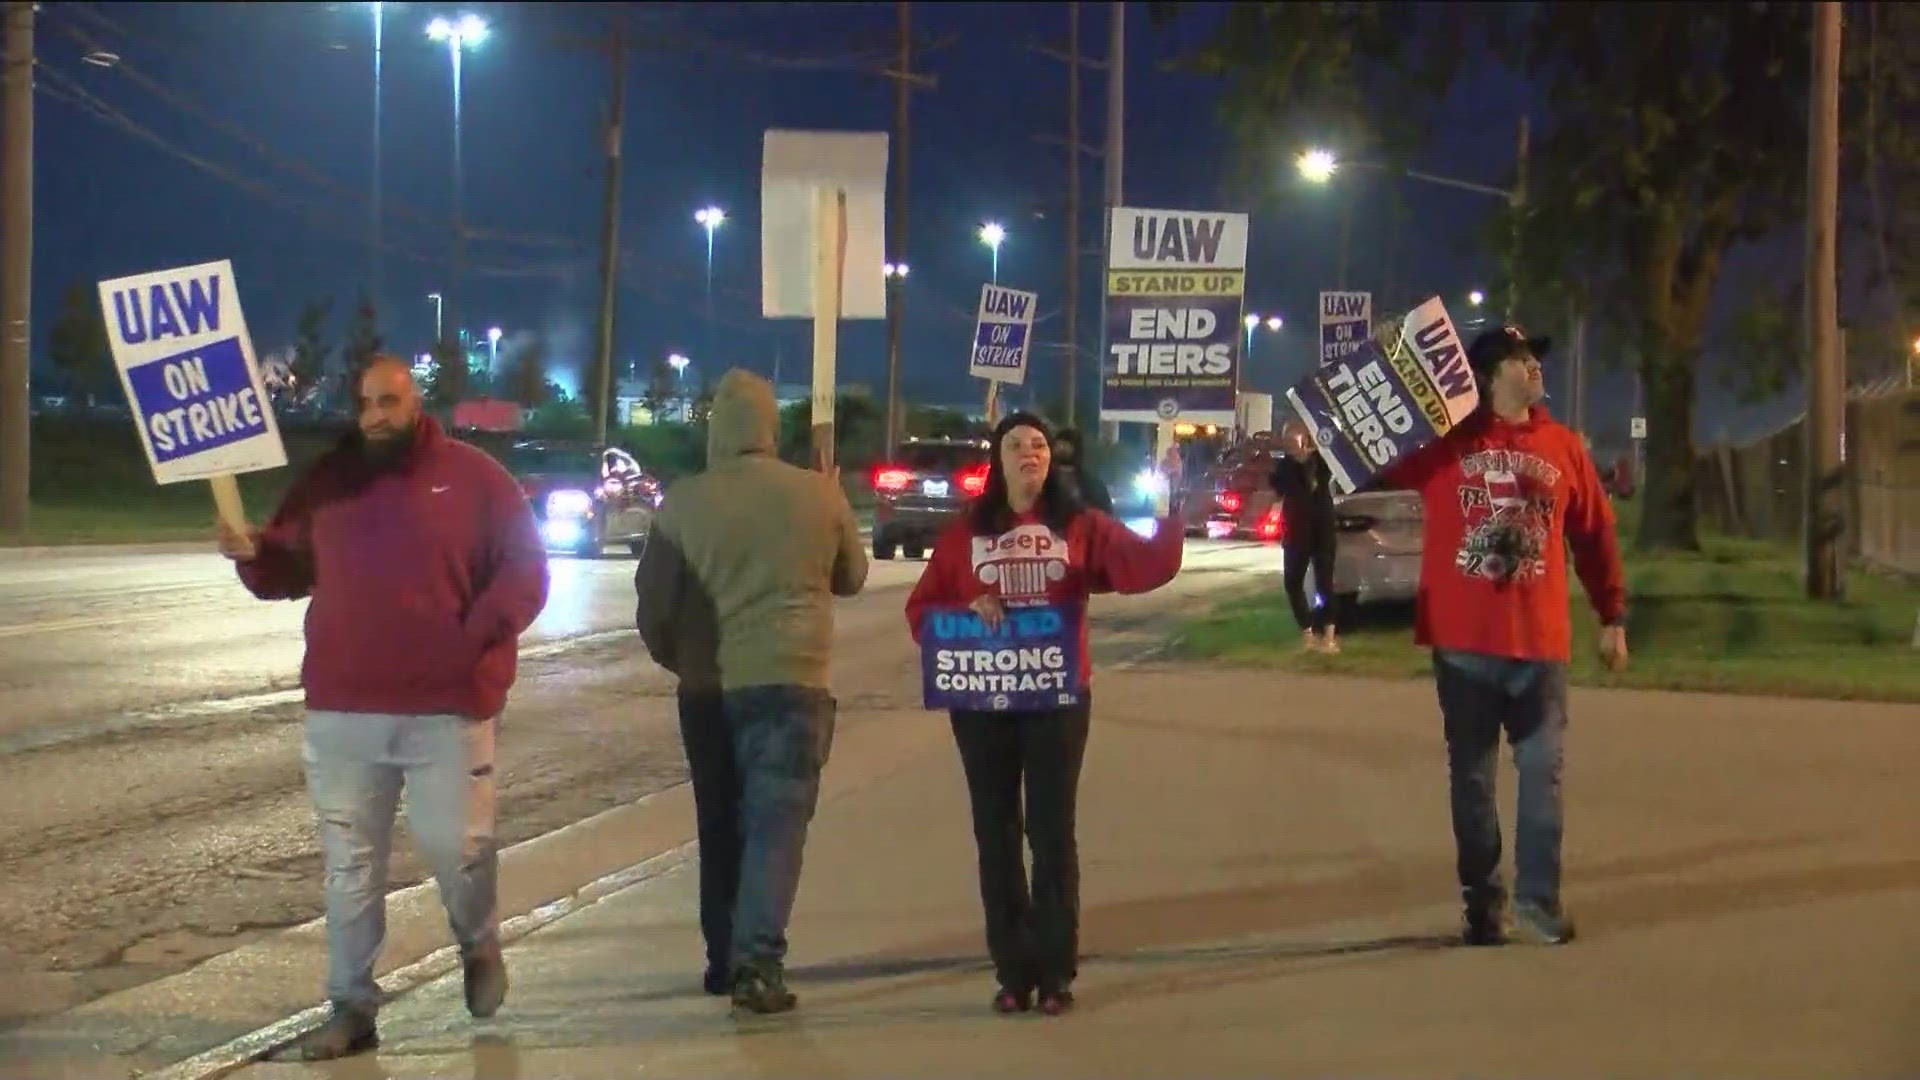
(275, 101)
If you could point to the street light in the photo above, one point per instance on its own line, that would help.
(678, 363)
(439, 304)
(493, 349)
(461, 34)
(1253, 322)
(1476, 298)
(992, 235)
(1317, 166)
(710, 218)
(894, 270)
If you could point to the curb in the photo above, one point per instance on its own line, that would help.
(259, 1045)
(170, 547)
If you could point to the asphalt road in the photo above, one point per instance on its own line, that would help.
(149, 751)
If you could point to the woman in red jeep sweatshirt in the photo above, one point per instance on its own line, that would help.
(1029, 541)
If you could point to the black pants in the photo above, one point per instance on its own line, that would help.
(716, 807)
(1033, 935)
(1316, 551)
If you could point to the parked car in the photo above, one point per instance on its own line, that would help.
(1377, 547)
(586, 496)
(921, 489)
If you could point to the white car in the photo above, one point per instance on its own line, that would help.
(1377, 553)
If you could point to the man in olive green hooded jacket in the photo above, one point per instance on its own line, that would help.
(736, 595)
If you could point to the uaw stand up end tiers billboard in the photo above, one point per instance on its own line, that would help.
(1370, 408)
(1176, 283)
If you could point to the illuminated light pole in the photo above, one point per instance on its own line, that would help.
(710, 218)
(493, 351)
(461, 34)
(439, 305)
(992, 235)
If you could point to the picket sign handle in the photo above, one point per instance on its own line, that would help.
(829, 264)
(226, 502)
(993, 403)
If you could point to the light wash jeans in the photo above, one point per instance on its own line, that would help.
(357, 766)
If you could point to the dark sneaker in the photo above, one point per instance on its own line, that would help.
(761, 989)
(486, 980)
(717, 982)
(346, 1033)
(1483, 927)
(1012, 1001)
(1055, 1002)
(1536, 924)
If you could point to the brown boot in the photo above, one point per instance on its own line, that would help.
(486, 979)
(346, 1033)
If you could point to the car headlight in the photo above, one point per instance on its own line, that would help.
(1149, 483)
(569, 503)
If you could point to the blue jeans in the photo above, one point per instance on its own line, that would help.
(781, 737)
(1479, 697)
(357, 766)
(716, 807)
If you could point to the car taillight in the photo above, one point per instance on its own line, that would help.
(890, 479)
(1272, 524)
(1229, 501)
(973, 480)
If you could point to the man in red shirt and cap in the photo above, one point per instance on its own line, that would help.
(1506, 493)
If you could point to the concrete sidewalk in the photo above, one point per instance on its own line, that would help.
(1268, 891)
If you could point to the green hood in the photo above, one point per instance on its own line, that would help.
(745, 418)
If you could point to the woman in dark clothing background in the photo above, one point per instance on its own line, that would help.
(1305, 486)
(1073, 467)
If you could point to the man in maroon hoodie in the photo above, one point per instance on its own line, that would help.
(1506, 493)
(424, 565)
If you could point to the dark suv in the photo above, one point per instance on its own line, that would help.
(922, 489)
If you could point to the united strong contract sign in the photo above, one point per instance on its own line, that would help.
(1030, 662)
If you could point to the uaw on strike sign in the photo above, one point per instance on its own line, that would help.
(1002, 334)
(187, 363)
(1030, 662)
(1371, 408)
(1176, 283)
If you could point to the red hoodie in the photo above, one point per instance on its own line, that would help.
(1503, 503)
(1030, 564)
(423, 577)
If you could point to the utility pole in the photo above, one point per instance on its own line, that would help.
(379, 34)
(1519, 202)
(1116, 159)
(16, 263)
(1073, 207)
(610, 233)
(1825, 516)
(897, 223)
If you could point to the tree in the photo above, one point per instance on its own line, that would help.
(311, 351)
(452, 377)
(662, 388)
(528, 375)
(77, 343)
(1678, 131)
